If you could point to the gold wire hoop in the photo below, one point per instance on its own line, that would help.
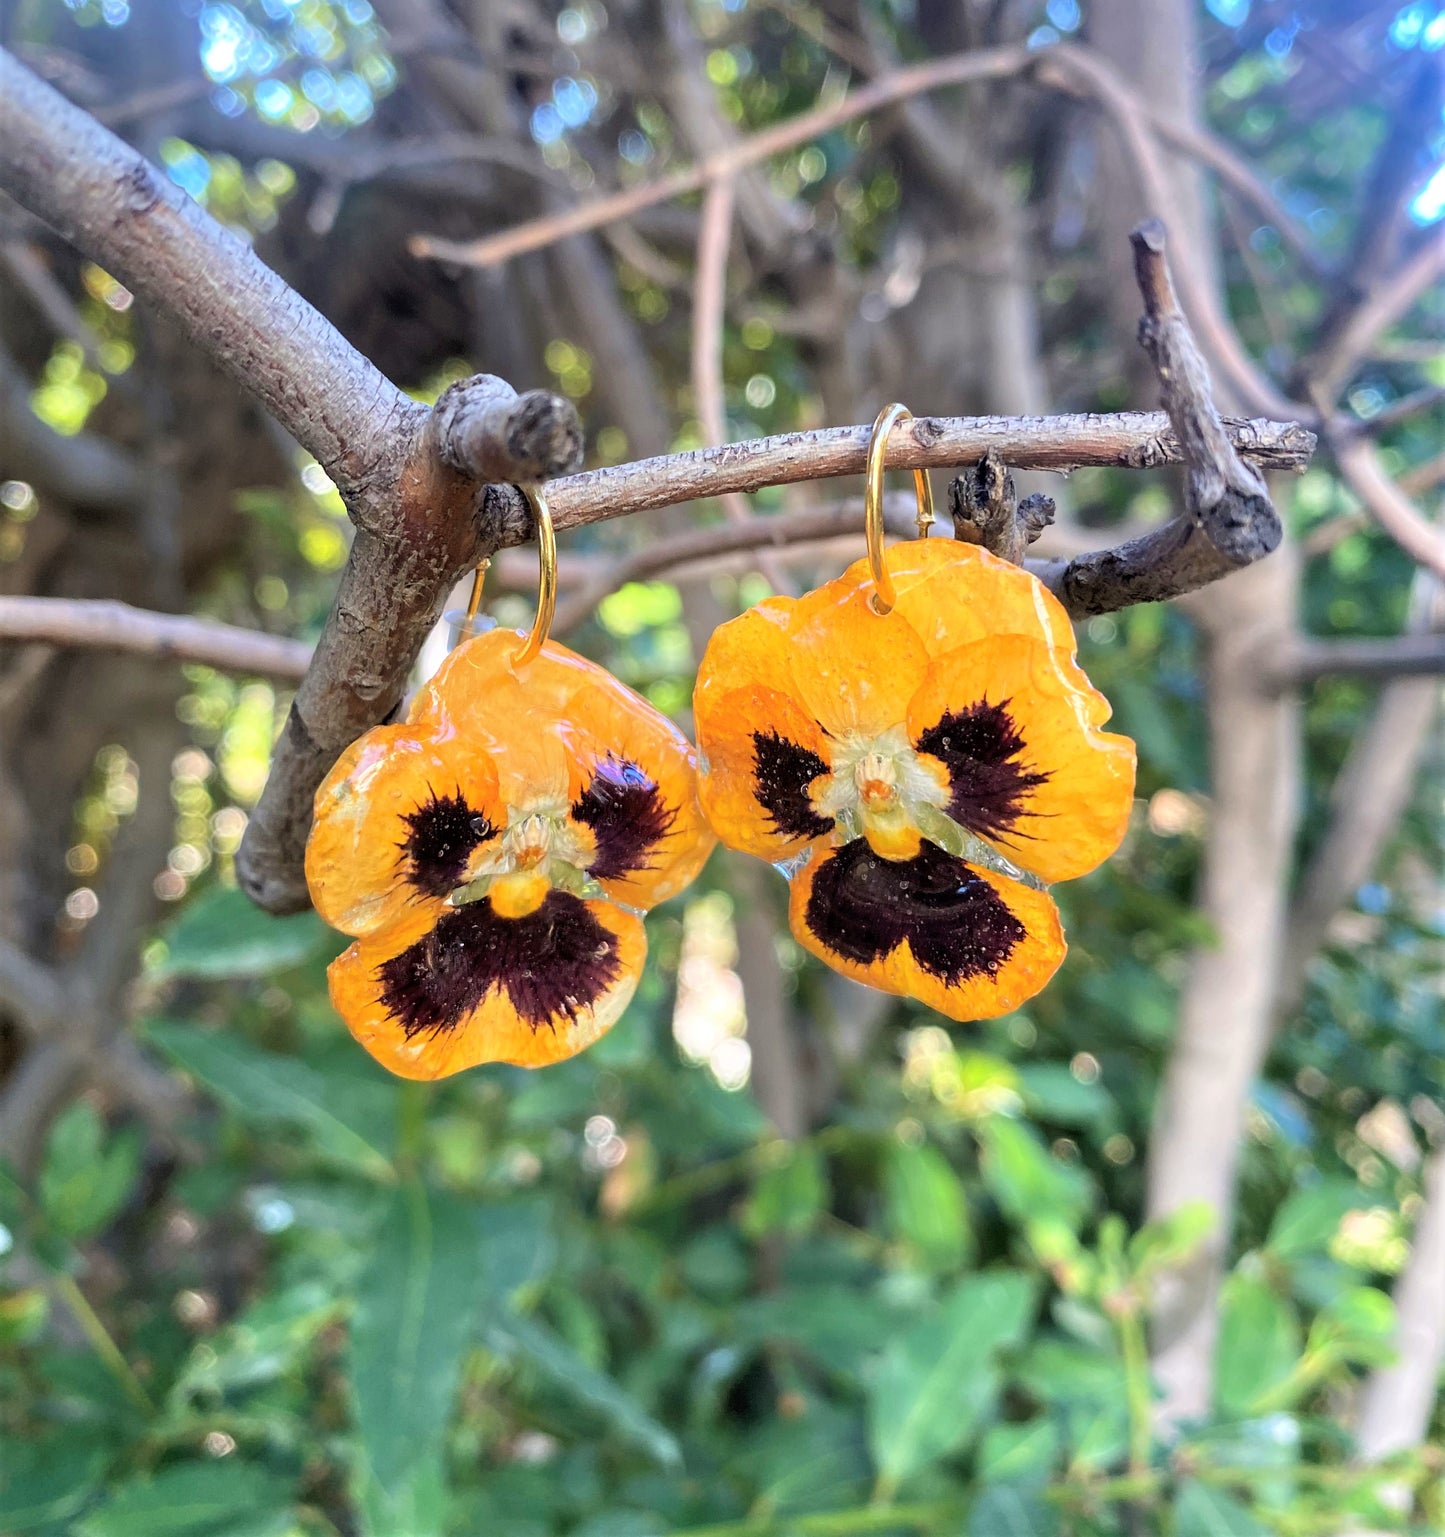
(547, 583)
(888, 418)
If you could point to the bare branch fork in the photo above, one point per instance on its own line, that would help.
(427, 489)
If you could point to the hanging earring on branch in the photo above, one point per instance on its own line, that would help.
(493, 854)
(915, 746)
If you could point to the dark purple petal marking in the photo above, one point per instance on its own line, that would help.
(782, 772)
(552, 964)
(862, 906)
(981, 747)
(441, 835)
(628, 816)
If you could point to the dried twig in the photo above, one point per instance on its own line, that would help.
(1228, 520)
(986, 510)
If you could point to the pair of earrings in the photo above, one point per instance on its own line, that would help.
(913, 744)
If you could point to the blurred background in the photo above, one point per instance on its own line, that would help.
(778, 1254)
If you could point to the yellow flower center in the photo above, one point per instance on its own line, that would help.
(541, 848)
(520, 893)
(531, 841)
(877, 789)
(877, 781)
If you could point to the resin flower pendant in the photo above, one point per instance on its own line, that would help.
(918, 775)
(492, 857)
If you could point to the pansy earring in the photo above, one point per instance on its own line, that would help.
(915, 746)
(493, 854)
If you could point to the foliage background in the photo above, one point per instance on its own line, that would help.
(608, 1299)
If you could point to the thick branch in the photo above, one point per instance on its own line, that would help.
(121, 211)
(1228, 522)
(106, 626)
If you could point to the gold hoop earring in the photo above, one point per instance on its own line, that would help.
(546, 584)
(888, 418)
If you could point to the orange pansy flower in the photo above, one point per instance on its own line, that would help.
(918, 775)
(492, 856)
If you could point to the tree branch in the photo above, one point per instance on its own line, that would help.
(892, 86)
(105, 626)
(1398, 1400)
(1228, 519)
(57, 161)
(32, 993)
(1360, 468)
(1398, 656)
(1132, 440)
(411, 477)
(87, 471)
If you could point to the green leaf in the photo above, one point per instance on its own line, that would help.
(266, 1090)
(268, 1339)
(518, 1247)
(1309, 1217)
(936, 1382)
(416, 1303)
(215, 1499)
(1356, 1328)
(1026, 1180)
(924, 1205)
(789, 1194)
(1171, 1240)
(83, 1182)
(1202, 1511)
(1052, 1093)
(1259, 1342)
(815, 1461)
(1019, 1453)
(1006, 1510)
(524, 1339)
(223, 934)
(44, 1482)
(415, 1506)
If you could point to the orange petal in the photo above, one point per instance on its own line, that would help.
(1028, 769)
(632, 779)
(367, 859)
(960, 939)
(429, 999)
(740, 711)
(511, 711)
(953, 593)
(852, 669)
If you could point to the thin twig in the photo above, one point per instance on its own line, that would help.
(1360, 468)
(106, 626)
(1395, 656)
(1385, 303)
(886, 89)
(709, 312)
